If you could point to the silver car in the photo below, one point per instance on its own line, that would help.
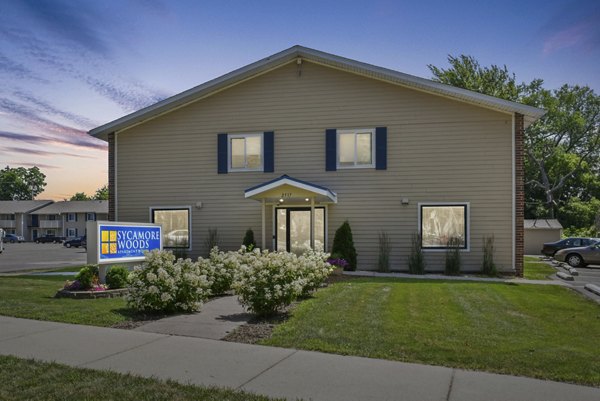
(580, 257)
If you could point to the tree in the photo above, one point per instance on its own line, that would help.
(564, 142)
(80, 196)
(21, 183)
(101, 193)
(563, 147)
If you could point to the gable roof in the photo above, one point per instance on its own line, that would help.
(91, 206)
(299, 52)
(294, 182)
(22, 206)
(542, 224)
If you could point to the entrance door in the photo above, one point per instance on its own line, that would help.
(293, 229)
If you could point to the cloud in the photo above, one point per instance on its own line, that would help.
(83, 142)
(40, 165)
(49, 109)
(577, 27)
(38, 152)
(74, 22)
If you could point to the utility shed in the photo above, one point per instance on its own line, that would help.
(539, 231)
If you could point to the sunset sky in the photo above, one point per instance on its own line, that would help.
(69, 66)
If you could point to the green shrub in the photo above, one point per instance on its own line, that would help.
(248, 241)
(416, 259)
(385, 248)
(489, 267)
(117, 277)
(343, 245)
(453, 257)
(87, 276)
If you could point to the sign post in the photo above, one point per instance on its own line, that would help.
(110, 242)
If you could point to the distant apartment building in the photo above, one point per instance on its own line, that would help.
(67, 218)
(36, 218)
(16, 217)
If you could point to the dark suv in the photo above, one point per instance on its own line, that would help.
(550, 248)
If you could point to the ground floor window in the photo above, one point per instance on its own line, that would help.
(71, 232)
(439, 223)
(175, 224)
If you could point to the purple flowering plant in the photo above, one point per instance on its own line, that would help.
(338, 262)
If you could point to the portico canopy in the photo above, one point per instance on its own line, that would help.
(286, 189)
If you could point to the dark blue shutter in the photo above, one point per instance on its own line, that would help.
(330, 150)
(75, 216)
(222, 153)
(381, 148)
(269, 148)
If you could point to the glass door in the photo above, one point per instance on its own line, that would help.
(293, 229)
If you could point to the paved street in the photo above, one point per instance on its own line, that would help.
(32, 256)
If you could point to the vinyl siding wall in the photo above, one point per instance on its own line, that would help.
(439, 150)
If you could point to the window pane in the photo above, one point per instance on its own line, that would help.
(175, 227)
(440, 223)
(253, 151)
(363, 148)
(346, 150)
(237, 153)
(281, 230)
(319, 229)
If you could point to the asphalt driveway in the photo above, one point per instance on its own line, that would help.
(32, 256)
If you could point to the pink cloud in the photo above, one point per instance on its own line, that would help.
(583, 34)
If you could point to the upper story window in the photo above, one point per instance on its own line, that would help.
(440, 223)
(356, 148)
(7, 217)
(71, 217)
(90, 216)
(245, 152)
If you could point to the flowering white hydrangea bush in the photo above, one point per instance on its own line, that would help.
(164, 284)
(268, 281)
(220, 268)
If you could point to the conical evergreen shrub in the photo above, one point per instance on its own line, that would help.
(343, 245)
(249, 239)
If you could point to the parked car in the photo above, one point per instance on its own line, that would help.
(550, 248)
(75, 242)
(581, 256)
(12, 238)
(49, 238)
(176, 238)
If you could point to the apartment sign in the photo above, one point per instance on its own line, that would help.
(126, 242)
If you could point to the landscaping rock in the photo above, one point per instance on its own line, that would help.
(565, 276)
(91, 294)
(593, 288)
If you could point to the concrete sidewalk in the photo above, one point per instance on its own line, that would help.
(276, 372)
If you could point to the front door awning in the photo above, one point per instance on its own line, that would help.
(286, 189)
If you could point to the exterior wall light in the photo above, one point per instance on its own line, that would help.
(404, 201)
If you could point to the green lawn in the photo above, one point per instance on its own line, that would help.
(32, 297)
(25, 380)
(535, 269)
(539, 331)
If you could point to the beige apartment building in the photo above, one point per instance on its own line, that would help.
(296, 143)
(67, 218)
(16, 217)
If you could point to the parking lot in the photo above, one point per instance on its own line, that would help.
(31, 256)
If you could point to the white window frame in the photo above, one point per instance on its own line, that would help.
(88, 214)
(244, 136)
(71, 232)
(467, 224)
(69, 217)
(166, 208)
(355, 132)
